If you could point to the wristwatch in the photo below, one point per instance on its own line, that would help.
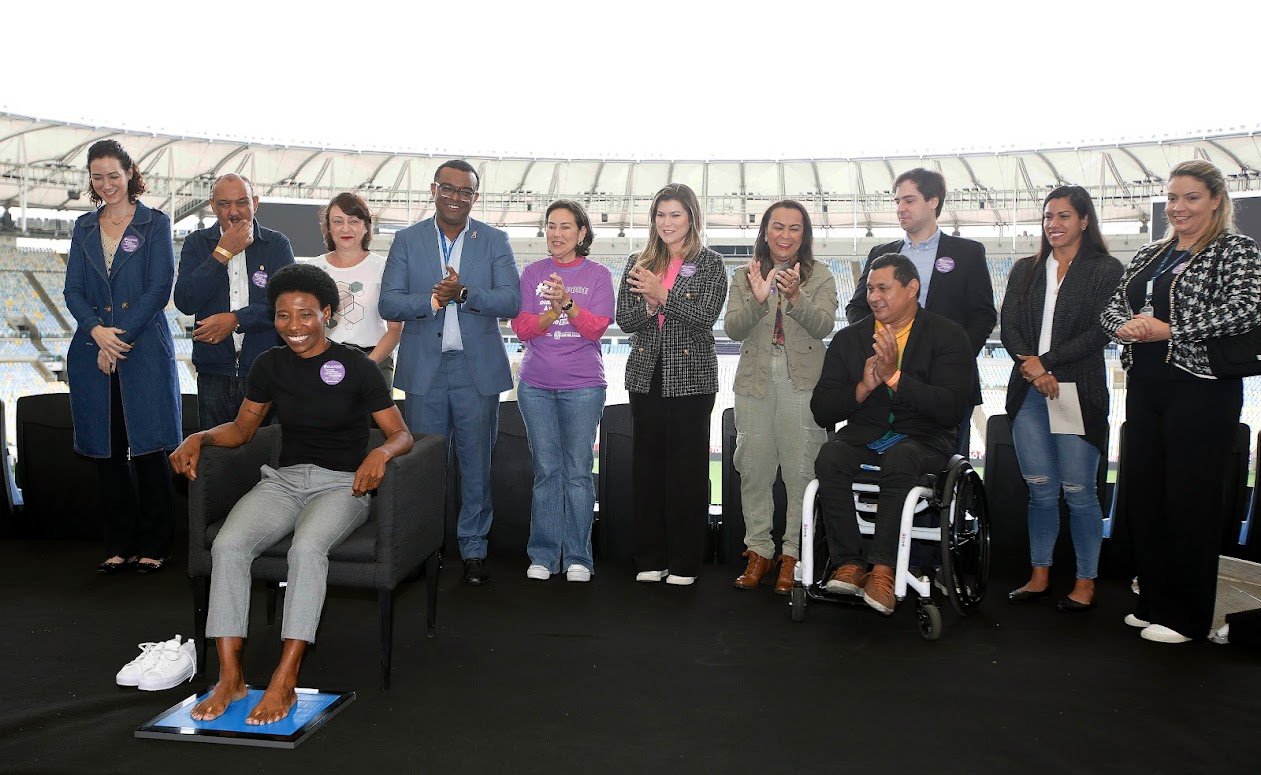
(568, 306)
(463, 295)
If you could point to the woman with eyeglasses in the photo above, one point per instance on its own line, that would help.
(124, 390)
(1200, 282)
(669, 298)
(567, 305)
(779, 307)
(346, 223)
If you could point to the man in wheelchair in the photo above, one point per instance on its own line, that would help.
(901, 379)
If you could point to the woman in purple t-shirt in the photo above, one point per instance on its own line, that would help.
(566, 306)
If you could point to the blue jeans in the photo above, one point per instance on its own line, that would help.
(1049, 462)
(454, 408)
(561, 428)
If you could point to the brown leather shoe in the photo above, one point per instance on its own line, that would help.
(753, 573)
(847, 580)
(784, 584)
(878, 591)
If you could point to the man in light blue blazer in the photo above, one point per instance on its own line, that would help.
(449, 279)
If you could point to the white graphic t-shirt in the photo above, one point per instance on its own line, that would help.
(356, 320)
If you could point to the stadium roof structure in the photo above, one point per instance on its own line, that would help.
(42, 164)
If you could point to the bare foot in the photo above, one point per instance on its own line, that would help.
(275, 705)
(223, 695)
(1083, 591)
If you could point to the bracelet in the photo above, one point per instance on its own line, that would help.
(221, 251)
(568, 306)
(893, 381)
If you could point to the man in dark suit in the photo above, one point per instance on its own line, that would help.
(222, 283)
(449, 279)
(955, 281)
(902, 378)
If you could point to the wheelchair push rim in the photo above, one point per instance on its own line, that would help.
(965, 539)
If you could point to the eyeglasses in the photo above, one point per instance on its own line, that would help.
(463, 194)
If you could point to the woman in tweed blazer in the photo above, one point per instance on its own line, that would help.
(668, 301)
(1049, 325)
(780, 307)
(1199, 282)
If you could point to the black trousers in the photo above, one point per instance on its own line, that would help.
(901, 466)
(137, 518)
(1178, 438)
(671, 475)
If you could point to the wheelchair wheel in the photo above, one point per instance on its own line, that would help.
(797, 602)
(929, 616)
(965, 538)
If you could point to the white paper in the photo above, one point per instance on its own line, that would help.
(1065, 411)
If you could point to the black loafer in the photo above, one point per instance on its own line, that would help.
(1026, 596)
(1070, 606)
(475, 573)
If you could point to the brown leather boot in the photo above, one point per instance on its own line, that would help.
(753, 573)
(784, 584)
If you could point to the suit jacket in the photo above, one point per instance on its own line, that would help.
(131, 297)
(963, 294)
(685, 343)
(933, 395)
(487, 268)
(201, 290)
(1077, 339)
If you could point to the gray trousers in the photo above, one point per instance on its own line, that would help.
(777, 431)
(312, 503)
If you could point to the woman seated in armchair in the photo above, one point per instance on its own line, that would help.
(322, 394)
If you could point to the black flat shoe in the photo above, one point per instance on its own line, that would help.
(475, 574)
(1026, 596)
(108, 568)
(145, 568)
(1070, 606)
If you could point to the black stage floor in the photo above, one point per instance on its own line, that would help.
(614, 676)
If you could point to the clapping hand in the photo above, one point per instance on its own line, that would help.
(759, 285)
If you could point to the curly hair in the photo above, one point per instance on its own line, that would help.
(111, 149)
(303, 278)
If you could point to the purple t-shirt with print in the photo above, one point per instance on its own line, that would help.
(561, 358)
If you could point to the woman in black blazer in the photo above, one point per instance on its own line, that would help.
(668, 301)
(1050, 326)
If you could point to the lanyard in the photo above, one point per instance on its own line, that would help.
(1171, 260)
(447, 247)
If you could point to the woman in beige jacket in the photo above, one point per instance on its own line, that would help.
(780, 306)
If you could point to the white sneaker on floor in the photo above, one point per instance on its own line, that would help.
(578, 572)
(1162, 634)
(651, 575)
(680, 581)
(130, 673)
(175, 663)
(1134, 621)
(539, 572)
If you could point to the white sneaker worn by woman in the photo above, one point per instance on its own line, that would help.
(651, 575)
(130, 673)
(175, 663)
(578, 572)
(1162, 634)
(680, 581)
(539, 572)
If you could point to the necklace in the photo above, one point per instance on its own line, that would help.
(119, 221)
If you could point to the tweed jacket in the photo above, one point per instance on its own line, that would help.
(685, 344)
(806, 323)
(1077, 342)
(1218, 294)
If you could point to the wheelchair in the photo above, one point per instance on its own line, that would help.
(948, 509)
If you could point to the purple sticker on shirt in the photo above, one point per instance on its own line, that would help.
(332, 372)
(687, 270)
(259, 279)
(945, 264)
(130, 243)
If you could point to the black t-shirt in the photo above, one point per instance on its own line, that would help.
(1149, 357)
(322, 403)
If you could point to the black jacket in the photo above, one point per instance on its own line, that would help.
(933, 395)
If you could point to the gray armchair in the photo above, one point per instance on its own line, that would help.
(404, 529)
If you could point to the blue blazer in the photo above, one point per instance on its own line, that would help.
(202, 291)
(489, 271)
(132, 298)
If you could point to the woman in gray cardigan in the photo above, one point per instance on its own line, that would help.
(1050, 326)
(780, 306)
